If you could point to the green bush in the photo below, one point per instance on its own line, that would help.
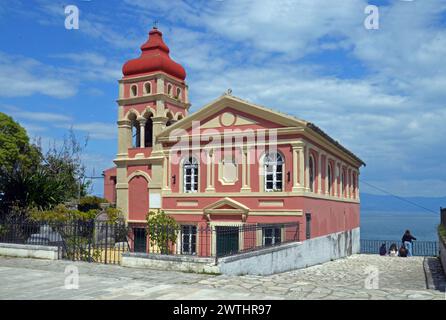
(3, 230)
(162, 230)
(114, 214)
(61, 213)
(90, 203)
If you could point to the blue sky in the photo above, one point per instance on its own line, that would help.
(381, 93)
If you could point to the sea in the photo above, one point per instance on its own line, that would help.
(391, 225)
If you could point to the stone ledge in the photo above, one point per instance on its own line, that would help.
(169, 262)
(29, 251)
(165, 257)
(28, 247)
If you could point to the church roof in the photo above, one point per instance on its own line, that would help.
(154, 57)
(259, 111)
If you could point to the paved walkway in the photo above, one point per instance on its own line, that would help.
(356, 277)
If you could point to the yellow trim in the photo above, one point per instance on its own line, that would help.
(261, 194)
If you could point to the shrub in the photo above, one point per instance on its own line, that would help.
(61, 213)
(90, 203)
(114, 214)
(162, 230)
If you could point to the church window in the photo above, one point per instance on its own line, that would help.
(147, 88)
(188, 239)
(329, 178)
(190, 175)
(148, 133)
(311, 173)
(134, 90)
(170, 120)
(273, 168)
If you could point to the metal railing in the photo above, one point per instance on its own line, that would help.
(104, 242)
(213, 241)
(92, 241)
(419, 248)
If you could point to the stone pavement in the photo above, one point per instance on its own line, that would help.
(356, 277)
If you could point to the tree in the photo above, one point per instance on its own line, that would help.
(32, 178)
(64, 164)
(15, 148)
(162, 230)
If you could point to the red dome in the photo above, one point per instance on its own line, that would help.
(154, 57)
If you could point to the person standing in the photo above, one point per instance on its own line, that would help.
(407, 242)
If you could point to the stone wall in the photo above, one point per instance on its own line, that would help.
(294, 255)
(442, 253)
(29, 251)
(266, 261)
(167, 262)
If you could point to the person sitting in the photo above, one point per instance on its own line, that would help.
(403, 251)
(393, 250)
(383, 250)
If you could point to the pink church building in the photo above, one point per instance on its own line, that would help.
(230, 163)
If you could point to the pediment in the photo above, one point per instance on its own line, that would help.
(226, 119)
(226, 206)
(229, 111)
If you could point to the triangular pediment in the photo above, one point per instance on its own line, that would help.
(226, 205)
(231, 111)
(228, 119)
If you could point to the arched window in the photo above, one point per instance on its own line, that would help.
(311, 173)
(169, 89)
(343, 183)
(329, 178)
(170, 119)
(178, 94)
(273, 168)
(147, 88)
(190, 175)
(136, 130)
(148, 133)
(134, 90)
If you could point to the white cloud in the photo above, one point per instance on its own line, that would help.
(88, 66)
(21, 76)
(94, 130)
(390, 110)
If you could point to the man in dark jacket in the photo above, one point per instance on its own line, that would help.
(407, 242)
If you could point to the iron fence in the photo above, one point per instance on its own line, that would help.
(212, 241)
(104, 242)
(84, 240)
(419, 248)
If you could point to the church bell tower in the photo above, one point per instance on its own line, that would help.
(152, 96)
